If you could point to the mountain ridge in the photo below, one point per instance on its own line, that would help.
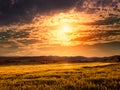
(55, 59)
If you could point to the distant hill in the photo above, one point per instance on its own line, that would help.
(56, 59)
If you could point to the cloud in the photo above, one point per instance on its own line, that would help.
(23, 11)
(106, 21)
(31, 26)
(95, 36)
(99, 49)
(12, 34)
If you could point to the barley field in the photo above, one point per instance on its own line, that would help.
(68, 76)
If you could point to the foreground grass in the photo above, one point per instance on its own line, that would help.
(77, 76)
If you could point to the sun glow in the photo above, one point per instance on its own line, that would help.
(66, 28)
(61, 28)
(62, 33)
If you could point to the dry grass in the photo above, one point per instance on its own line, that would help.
(77, 76)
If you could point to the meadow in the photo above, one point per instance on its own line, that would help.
(67, 76)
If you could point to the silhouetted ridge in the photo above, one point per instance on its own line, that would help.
(56, 59)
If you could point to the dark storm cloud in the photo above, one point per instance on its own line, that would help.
(106, 21)
(12, 39)
(12, 11)
(91, 6)
(12, 34)
(20, 6)
(24, 10)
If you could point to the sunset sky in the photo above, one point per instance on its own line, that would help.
(59, 27)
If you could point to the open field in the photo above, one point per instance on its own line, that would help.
(76, 76)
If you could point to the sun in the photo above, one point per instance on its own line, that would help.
(62, 34)
(66, 28)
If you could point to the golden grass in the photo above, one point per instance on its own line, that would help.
(77, 76)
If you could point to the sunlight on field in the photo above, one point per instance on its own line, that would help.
(76, 76)
(32, 68)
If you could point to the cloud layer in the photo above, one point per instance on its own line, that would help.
(12, 11)
(37, 25)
